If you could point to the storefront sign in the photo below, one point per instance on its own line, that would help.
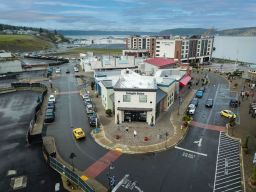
(134, 93)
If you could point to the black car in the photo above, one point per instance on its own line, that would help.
(67, 71)
(49, 116)
(194, 101)
(209, 103)
(234, 103)
(92, 122)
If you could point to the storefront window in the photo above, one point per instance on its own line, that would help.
(126, 98)
(143, 98)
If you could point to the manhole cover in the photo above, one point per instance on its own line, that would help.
(18, 182)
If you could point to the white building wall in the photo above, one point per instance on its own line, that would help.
(165, 48)
(105, 97)
(235, 48)
(135, 103)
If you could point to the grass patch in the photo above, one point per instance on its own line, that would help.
(22, 43)
(97, 51)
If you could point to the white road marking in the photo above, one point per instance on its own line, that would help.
(228, 168)
(195, 152)
(199, 142)
(120, 183)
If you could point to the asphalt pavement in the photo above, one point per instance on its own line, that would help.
(18, 159)
(190, 166)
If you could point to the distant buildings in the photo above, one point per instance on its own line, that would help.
(195, 49)
(9, 63)
(89, 62)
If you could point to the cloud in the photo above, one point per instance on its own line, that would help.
(64, 4)
(142, 15)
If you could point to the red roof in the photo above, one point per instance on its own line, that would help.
(160, 62)
(184, 81)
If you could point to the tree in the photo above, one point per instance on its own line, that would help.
(109, 112)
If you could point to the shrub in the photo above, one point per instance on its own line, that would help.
(186, 118)
(109, 112)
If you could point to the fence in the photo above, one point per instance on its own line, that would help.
(62, 169)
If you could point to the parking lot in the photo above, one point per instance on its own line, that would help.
(228, 169)
(19, 161)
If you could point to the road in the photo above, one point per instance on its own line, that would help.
(191, 166)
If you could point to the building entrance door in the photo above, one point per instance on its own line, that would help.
(140, 116)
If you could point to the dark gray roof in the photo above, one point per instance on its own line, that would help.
(107, 83)
(160, 95)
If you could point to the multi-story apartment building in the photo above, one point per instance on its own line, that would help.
(194, 49)
(142, 42)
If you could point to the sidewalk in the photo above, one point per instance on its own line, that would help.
(116, 137)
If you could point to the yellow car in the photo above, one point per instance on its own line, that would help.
(78, 133)
(228, 114)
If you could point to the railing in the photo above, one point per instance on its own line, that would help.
(62, 169)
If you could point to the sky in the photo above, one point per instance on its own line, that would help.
(128, 15)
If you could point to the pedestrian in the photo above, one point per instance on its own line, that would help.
(134, 133)
(247, 94)
(127, 129)
(239, 102)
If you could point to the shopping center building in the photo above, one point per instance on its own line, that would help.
(133, 97)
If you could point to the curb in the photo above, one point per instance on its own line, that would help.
(158, 147)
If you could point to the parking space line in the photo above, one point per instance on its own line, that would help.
(228, 177)
(228, 169)
(198, 153)
(228, 185)
(229, 180)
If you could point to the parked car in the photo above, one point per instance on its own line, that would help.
(227, 114)
(87, 99)
(89, 110)
(199, 93)
(194, 101)
(49, 116)
(78, 133)
(92, 121)
(51, 98)
(234, 103)
(85, 96)
(91, 115)
(58, 70)
(209, 103)
(76, 69)
(51, 105)
(191, 109)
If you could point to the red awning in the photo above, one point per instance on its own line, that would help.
(184, 81)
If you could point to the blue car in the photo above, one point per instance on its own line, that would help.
(199, 94)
